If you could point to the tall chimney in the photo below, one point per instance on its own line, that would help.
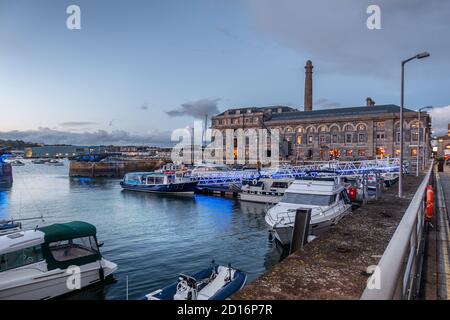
(308, 86)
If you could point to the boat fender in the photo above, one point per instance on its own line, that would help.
(430, 203)
(101, 273)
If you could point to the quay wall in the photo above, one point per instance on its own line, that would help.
(334, 266)
(115, 169)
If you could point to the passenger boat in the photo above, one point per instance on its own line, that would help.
(158, 183)
(39, 264)
(327, 200)
(264, 190)
(214, 283)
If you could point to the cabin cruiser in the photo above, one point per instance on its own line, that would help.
(158, 183)
(264, 190)
(214, 283)
(327, 200)
(39, 264)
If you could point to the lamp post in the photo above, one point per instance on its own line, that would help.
(402, 100)
(418, 138)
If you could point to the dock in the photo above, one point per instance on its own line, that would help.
(112, 169)
(339, 263)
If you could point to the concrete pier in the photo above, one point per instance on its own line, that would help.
(334, 266)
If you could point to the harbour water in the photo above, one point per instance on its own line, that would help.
(151, 237)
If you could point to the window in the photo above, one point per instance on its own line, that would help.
(322, 129)
(20, 258)
(309, 199)
(299, 130)
(380, 152)
(397, 137)
(236, 121)
(414, 136)
(349, 153)
(72, 249)
(348, 128)
(348, 138)
(247, 120)
(361, 138)
(414, 152)
(334, 138)
(310, 139)
(361, 127)
(255, 120)
(322, 139)
(361, 153)
(397, 152)
(299, 139)
(380, 136)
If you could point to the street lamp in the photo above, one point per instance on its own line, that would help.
(402, 100)
(418, 139)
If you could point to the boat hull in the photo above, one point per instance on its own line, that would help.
(52, 284)
(174, 188)
(260, 198)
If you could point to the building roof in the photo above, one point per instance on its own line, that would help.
(258, 109)
(338, 112)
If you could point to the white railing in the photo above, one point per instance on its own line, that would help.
(397, 275)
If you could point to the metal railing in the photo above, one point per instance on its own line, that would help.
(398, 273)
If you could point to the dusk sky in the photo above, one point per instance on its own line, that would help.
(139, 69)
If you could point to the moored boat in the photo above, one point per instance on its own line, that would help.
(327, 200)
(7, 227)
(158, 183)
(264, 190)
(51, 261)
(214, 283)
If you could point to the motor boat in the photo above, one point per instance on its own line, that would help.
(264, 190)
(10, 226)
(214, 283)
(327, 199)
(158, 183)
(41, 263)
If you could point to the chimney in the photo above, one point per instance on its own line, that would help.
(370, 102)
(308, 86)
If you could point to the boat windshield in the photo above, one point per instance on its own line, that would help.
(72, 249)
(308, 199)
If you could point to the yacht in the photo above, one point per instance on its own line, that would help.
(38, 264)
(158, 183)
(264, 190)
(327, 200)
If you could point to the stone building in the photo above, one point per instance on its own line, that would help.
(357, 133)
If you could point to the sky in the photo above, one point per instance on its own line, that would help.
(136, 70)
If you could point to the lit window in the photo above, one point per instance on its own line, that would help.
(414, 152)
(349, 152)
(361, 127)
(299, 139)
(362, 153)
(299, 130)
(310, 139)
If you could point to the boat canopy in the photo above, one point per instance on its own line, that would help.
(68, 231)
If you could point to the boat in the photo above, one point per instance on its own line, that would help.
(41, 263)
(390, 179)
(158, 183)
(327, 199)
(264, 190)
(214, 283)
(54, 162)
(7, 227)
(17, 163)
(38, 161)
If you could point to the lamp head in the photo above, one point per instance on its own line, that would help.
(423, 55)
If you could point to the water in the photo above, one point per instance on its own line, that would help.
(151, 237)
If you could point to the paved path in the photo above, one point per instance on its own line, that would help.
(443, 238)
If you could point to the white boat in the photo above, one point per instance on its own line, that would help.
(214, 283)
(39, 264)
(264, 190)
(327, 200)
(55, 163)
(17, 163)
(7, 227)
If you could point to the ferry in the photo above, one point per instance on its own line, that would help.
(36, 264)
(158, 183)
(264, 190)
(214, 283)
(327, 199)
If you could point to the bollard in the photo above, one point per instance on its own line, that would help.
(301, 229)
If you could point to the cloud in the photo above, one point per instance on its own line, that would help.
(335, 36)
(75, 124)
(100, 137)
(197, 109)
(440, 118)
(144, 107)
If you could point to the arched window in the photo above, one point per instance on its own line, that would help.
(361, 127)
(348, 127)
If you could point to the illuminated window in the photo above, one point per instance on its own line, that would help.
(362, 153)
(361, 127)
(414, 152)
(349, 152)
(380, 151)
(310, 139)
(299, 139)
(323, 129)
(415, 125)
(299, 130)
(397, 152)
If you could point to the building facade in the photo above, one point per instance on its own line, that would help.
(358, 133)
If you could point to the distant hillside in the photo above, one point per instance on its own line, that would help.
(17, 144)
